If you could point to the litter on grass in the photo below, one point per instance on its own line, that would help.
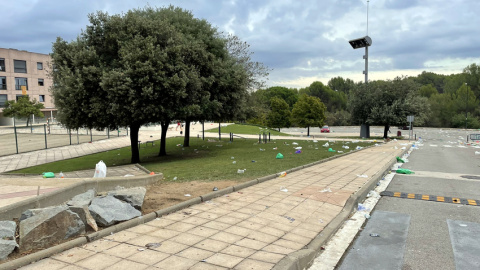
(331, 150)
(279, 156)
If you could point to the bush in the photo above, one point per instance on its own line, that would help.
(458, 121)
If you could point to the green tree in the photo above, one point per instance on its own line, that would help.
(389, 103)
(333, 100)
(279, 115)
(341, 84)
(23, 108)
(127, 70)
(309, 111)
(427, 90)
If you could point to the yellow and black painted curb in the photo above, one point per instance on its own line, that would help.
(432, 198)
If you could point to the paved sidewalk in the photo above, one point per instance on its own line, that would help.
(254, 228)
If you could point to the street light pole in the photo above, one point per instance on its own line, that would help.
(466, 106)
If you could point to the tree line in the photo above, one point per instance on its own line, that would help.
(435, 100)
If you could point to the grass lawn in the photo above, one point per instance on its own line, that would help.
(245, 129)
(208, 161)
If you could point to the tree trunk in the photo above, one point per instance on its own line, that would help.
(219, 131)
(134, 128)
(308, 131)
(186, 139)
(385, 131)
(278, 129)
(28, 120)
(163, 139)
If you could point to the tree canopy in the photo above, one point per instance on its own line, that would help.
(23, 108)
(309, 111)
(145, 66)
(279, 115)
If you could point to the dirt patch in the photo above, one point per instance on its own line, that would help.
(166, 194)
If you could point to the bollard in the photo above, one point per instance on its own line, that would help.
(45, 132)
(268, 136)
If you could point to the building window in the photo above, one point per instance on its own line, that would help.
(3, 99)
(2, 64)
(40, 82)
(3, 83)
(39, 65)
(19, 82)
(20, 66)
(41, 98)
(20, 96)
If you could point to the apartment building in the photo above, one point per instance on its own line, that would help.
(21, 73)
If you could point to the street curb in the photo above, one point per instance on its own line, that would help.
(304, 258)
(17, 263)
(178, 207)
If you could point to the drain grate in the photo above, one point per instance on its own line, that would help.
(473, 177)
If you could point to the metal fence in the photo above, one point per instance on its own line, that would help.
(20, 139)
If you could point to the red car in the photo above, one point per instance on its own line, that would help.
(325, 129)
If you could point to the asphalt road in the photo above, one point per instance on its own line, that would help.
(426, 233)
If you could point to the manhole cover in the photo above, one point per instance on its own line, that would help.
(474, 177)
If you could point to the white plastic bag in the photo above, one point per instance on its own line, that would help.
(100, 170)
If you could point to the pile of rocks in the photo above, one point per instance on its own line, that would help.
(42, 228)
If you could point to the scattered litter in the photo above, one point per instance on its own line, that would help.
(361, 207)
(362, 175)
(61, 175)
(100, 170)
(373, 193)
(331, 150)
(188, 195)
(262, 149)
(175, 178)
(374, 235)
(294, 143)
(326, 190)
(355, 141)
(234, 162)
(404, 171)
(275, 148)
(128, 175)
(320, 220)
(253, 161)
(232, 157)
(359, 148)
(153, 245)
(179, 145)
(48, 175)
(367, 216)
(345, 147)
(151, 173)
(241, 171)
(298, 148)
(326, 145)
(289, 218)
(477, 153)
(463, 225)
(400, 160)
(284, 189)
(279, 156)
(141, 249)
(315, 141)
(283, 174)
(215, 188)
(298, 151)
(339, 151)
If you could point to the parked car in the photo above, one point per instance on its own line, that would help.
(325, 129)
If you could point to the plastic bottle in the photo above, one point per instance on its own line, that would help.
(61, 175)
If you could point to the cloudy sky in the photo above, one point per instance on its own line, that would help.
(302, 41)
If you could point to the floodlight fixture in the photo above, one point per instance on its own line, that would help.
(361, 42)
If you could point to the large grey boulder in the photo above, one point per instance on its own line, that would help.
(82, 199)
(48, 227)
(108, 210)
(7, 238)
(85, 216)
(133, 196)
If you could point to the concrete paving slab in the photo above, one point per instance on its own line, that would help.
(465, 237)
(385, 232)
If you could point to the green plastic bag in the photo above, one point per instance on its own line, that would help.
(48, 175)
(331, 150)
(404, 171)
(279, 156)
(400, 160)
